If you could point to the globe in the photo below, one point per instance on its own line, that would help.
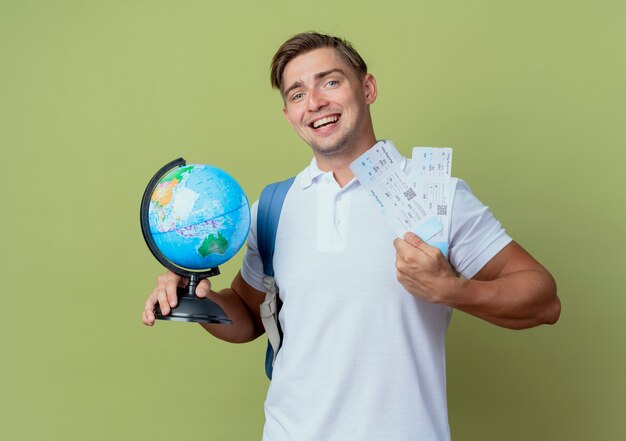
(198, 217)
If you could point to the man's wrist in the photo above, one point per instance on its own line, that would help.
(454, 291)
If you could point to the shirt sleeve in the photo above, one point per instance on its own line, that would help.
(476, 236)
(252, 266)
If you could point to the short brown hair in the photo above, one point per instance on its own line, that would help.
(306, 42)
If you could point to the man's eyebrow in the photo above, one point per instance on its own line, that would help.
(317, 77)
(328, 72)
(290, 88)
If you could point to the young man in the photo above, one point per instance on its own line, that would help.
(364, 313)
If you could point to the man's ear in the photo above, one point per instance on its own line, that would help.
(369, 88)
(286, 115)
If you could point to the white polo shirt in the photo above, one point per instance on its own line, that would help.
(362, 359)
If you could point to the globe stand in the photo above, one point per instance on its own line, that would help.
(190, 308)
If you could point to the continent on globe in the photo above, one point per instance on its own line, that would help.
(213, 245)
(164, 191)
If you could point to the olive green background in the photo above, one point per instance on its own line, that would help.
(96, 96)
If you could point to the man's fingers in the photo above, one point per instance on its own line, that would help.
(413, 239)
(416, 242)
(406, 250)
(147, 320)
(400, 266)
(183, 282)
(203, 288)
(148, 310)
(171, 291)
(165, 295)
(162, 301)
(165, 283)
(402, 247)
(167, 288)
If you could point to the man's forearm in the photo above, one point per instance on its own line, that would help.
(242, 328)
(241, 303)
(518, 300)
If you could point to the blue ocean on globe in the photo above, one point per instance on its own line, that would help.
(199, 216)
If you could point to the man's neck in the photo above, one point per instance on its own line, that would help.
(340, 164)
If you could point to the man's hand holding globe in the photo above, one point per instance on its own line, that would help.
(238, 302)
(165, 294)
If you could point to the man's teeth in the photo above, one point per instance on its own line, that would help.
(328, 119)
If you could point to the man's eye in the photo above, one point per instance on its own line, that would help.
(297, 97)
(332, 83)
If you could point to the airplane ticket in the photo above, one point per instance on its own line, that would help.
(431, 177)
(380, 171)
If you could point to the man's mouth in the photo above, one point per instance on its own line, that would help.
(326, 121)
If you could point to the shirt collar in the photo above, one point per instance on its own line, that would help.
(312, 172)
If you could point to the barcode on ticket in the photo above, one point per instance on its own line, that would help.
(409, 194)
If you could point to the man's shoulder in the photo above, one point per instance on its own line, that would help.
(303, 174)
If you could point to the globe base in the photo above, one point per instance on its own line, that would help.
(194, 309)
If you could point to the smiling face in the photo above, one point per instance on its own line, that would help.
(327, 104)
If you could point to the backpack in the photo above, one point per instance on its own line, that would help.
(268, 215)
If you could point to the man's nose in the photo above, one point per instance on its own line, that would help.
(316, 100)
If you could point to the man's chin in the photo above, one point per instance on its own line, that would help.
(328, 150)
(331, 148)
